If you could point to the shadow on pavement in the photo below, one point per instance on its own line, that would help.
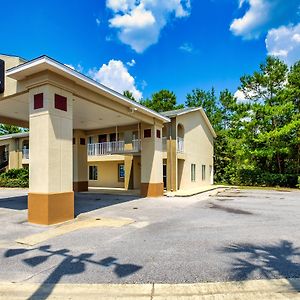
(16, 203)
(70, 265)
(266, 261)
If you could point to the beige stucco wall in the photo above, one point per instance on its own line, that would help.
(198, 149)
(107, 174)
(51, 151)
(79, 157)
(11, 85)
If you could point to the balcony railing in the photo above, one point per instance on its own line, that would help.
(107, 148)
(25, 153)
(180, 145)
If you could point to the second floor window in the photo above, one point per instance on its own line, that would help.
(193, 172)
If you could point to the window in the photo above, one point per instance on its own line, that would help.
(158, 133)
(121, 172)
(147, 133)
(193, 172)
(93, 173)
(90, 140)
(203, 172)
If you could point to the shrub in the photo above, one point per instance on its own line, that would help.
(15, 178)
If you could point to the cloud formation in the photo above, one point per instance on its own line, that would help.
(139, 22)
(115, 75)
(284, 42)
(263, 15)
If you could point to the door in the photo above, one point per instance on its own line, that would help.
(165, 175)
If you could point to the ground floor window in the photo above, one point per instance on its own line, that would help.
(203, 172)
(193, 172)
(93, 173)
(121, 172)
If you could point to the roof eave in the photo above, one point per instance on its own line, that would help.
(18, 74)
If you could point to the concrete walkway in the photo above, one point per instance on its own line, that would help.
(251, 289)
(195, 191)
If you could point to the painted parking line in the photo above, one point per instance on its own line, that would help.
(78, 224)
(243, 290)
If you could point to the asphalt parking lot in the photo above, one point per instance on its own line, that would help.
(229, 236)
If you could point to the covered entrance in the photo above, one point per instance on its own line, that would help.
(59, 106)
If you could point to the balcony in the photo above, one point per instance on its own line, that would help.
(179, 144)
(25, 153)
(108, 148)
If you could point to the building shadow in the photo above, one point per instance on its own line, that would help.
(279, 260)
(86, 202)
(69, 266)
(15, 203)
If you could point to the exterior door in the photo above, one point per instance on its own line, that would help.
(165, 175)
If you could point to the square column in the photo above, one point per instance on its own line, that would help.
(151, 161)
(50, 197)
(80, 165)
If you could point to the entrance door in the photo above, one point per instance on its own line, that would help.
(165, 175)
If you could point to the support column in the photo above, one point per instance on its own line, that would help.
(171, 165)
(151, 161)
(80, 165)
(50, 197)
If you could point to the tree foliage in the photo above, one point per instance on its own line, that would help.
(8, 129)
(163, 100)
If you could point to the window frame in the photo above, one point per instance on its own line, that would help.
(94, 173)
(121, 179)
(193, 172)
(203, 171)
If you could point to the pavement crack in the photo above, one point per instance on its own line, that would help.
(38, 273)
(152, 292)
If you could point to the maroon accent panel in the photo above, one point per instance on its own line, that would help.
(82, 141)
(74, 141)
(60, 102)
(38, 101)
(158, 133)
(147, 133)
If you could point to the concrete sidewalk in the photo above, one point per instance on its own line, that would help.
(252, 289)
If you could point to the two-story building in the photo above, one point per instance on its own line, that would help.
(83, 134)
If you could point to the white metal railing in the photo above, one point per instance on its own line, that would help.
(164, 143)
(25, 153)
(105, 148)
(180, 145)
(136, 145)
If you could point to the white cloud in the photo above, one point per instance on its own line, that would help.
(240, 96)
(131, 63)
(263, 15)
(116, 76)
(284, 42)
(187, 47)
(98, 22)
(139, 23)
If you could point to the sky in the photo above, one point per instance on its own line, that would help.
(147, 45)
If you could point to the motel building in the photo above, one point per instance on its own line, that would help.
(84, 135)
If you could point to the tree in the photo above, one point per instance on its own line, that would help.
(129, 95)
(161, 101)
(8, 129)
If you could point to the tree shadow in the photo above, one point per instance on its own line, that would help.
(281, 260)
(70, 265)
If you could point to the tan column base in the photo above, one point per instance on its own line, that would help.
(152, 189)
(49, 209)
(80, 186)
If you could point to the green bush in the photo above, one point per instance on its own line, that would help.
(254, 177)
(15, 178)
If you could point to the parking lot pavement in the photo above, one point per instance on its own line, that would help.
(234, 235)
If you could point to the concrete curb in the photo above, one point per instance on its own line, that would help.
(251, 289)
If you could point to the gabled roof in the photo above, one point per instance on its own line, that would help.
(182, 111)
(14, 136)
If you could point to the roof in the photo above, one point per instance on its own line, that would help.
(11, 55)
(44, 62)
(182, 111)
(14, 135)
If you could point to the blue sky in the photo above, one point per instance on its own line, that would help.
(148, 45)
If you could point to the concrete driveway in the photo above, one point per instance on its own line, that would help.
(234, 235)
